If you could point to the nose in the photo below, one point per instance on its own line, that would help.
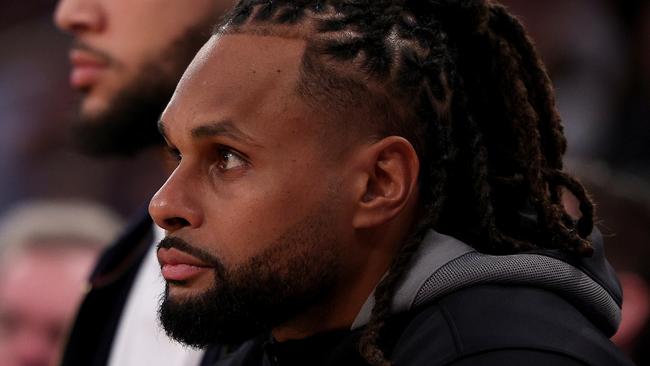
(79, 16)
(173, 207)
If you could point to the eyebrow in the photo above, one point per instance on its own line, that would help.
(210, 129)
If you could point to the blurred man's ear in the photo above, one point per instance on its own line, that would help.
(389, 183)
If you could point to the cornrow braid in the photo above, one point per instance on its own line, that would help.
(461, 80)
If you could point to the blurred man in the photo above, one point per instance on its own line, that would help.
(46, 252)
(385, 187)
(126, 59)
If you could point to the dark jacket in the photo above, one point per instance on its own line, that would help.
(91, 337)
(460, 307)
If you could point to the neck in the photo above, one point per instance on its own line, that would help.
(338, 310)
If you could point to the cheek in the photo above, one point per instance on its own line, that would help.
(248, 224)
(248, 219)
(152, 26)
(133, 47)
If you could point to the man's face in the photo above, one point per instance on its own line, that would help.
(255, 209)
(126, 60)
(39, 293)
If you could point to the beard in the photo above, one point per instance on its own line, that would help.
(296, 272)
(129, 124)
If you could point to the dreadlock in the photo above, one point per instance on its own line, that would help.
(461, 80)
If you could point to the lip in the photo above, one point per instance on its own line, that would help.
(176, 265)
(86, 68)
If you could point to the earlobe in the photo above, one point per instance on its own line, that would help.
(391, 166)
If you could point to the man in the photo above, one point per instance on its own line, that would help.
(377, 182)
(127, 58)
(39, 242)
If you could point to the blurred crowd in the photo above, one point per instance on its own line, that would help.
(597, 53)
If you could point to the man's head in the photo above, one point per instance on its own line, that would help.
(127, 58)
(46, 252)
(267, 212)
(319, 141)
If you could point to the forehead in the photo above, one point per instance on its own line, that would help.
(238, 75)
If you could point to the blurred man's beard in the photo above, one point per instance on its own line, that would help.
(129, 123)
(296, 272)
(127, 126)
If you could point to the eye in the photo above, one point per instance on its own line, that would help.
(229, 160)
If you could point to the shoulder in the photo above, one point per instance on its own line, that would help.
(492, 324)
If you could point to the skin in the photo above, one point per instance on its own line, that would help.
(121, 37)
(32, 330)
(255, 162)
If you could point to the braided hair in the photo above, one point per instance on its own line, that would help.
(461, 80)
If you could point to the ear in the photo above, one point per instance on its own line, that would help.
(389, 182)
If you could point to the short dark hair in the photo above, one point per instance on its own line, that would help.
(462, 81)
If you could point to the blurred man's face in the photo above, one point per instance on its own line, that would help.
(255, 210)
(126, 60)
(39, 293)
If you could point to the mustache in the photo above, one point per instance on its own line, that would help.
(180, 244)
(99, 54)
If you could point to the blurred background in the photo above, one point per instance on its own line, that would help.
(597, 53)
